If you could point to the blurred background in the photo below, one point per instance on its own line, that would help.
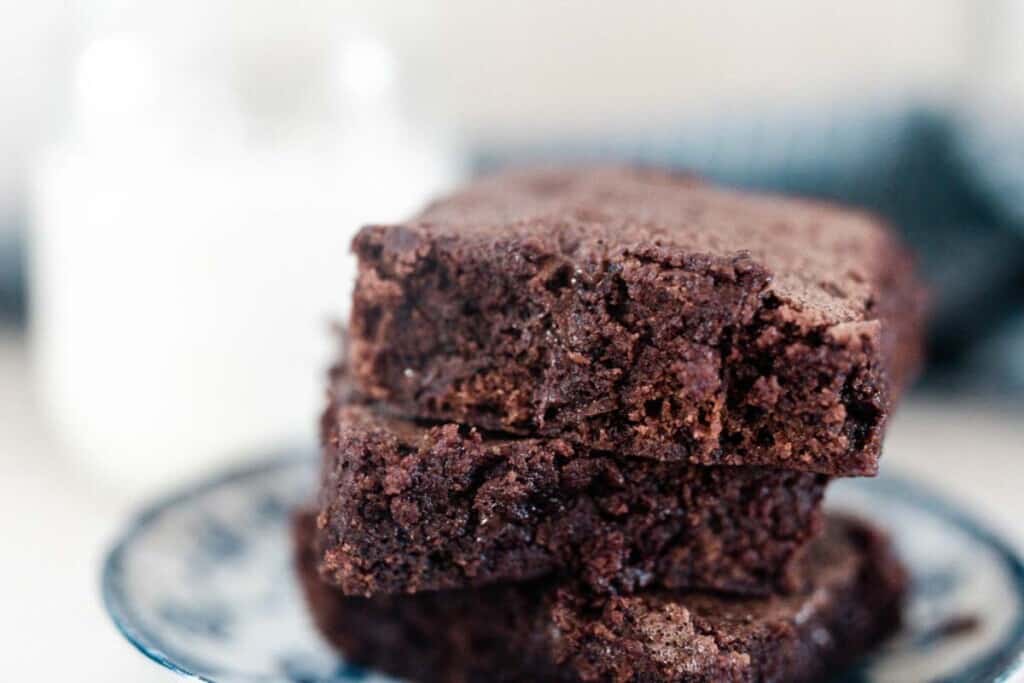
(179, 182)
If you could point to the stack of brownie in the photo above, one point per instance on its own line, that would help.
(582, 428)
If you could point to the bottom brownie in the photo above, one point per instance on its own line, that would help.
(553, 631)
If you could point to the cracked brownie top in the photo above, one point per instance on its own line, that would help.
(643, 312)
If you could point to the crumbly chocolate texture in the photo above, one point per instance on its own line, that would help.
(550, 631)
(406, 508)
(643, 313)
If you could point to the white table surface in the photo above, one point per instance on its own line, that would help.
(57, 523)
(58, 519)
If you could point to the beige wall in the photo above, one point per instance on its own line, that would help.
(574, 64)
(512, 69)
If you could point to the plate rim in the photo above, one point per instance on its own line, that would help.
(1001, 666)
(1007, 662)
(117, 604)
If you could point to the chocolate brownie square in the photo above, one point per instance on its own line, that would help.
(642, 313)
(405, 508)
(550, 630)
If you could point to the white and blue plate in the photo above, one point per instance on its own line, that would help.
(202, 583)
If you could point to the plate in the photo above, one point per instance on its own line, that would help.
(202, 583)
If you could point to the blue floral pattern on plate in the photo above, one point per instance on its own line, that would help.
(202, 583)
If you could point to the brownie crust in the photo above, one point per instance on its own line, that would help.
(405, 508)
(642, 313)
(549, 630)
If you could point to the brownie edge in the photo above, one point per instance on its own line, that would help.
(405, 508)
(642, 313)
(551, 631)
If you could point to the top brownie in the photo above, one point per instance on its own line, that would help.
(644, 313)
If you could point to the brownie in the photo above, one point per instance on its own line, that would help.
(550, 630)
(409, 508)
(643, 313)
